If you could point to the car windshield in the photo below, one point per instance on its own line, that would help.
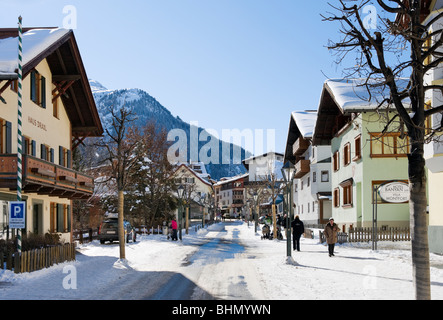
(110, 225)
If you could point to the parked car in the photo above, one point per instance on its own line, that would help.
(109, 231)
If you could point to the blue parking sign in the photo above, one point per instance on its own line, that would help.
(17, 214)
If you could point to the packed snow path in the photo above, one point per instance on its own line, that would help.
(226, 261)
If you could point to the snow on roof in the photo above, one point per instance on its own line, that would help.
(34, 42)
(351, 95)
(305, 121)
(231, 179)
(265, 155)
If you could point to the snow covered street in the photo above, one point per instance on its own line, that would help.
(226, 261)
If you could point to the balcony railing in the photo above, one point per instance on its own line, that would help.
(302, 167)
(300, 146)
(45, 178)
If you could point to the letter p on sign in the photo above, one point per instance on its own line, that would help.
(17, 214)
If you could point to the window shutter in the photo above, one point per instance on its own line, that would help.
(34, 148)
(43, 92)
(69, 218)
(69, 164)
(60, 218)
(24, 146)
(8, 143)
(33, 87)
(51, 154)
(43, 152)
(61, 156)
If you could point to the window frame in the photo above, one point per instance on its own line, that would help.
(357, 147)
(347, 154)
(336, 161)
(381, 137)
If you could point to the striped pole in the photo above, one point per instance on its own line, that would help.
(19, 127)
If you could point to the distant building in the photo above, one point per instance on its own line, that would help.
(230, 195)
(196, 186)
(265, 170)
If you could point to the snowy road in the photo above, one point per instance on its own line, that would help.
(217, 269)
(226, 261)
(211, 266)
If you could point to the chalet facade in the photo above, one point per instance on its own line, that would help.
(363, 155)
(196, 182)
(312, 183)
(58, 113)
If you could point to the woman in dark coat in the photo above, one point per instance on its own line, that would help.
(298, 228)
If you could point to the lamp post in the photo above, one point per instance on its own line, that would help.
(255, 196)
(288, 171)
(180, 192)
(203, 201)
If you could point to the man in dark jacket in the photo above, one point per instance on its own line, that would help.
(298, 229)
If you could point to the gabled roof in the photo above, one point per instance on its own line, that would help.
(59, 48)
(352, 95)
(246, 162)
(301, 124)
(231, 179)
(341, 98)
(184, 166)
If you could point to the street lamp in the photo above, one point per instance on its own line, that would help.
(288, 172)
(180, 192)
(203, 201)
(255, 196)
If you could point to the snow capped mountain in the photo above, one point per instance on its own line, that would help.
(147, 109)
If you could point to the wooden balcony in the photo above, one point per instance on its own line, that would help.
(300, 146)
(302, 167)
(44, 178)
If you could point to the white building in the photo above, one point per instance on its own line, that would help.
(312, 183)
(434, 150)
(260, 167)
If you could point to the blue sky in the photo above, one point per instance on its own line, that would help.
(228, 64)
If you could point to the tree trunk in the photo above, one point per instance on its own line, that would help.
(274, 220)
(419, 230)
(121, 229)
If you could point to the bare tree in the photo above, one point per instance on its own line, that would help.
(152, 188)
(274, 186)
(260, 190)
(120, 143)
(399, 45)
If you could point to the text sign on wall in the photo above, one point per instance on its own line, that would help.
(394, 192)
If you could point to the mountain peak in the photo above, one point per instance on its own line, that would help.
(96, 86)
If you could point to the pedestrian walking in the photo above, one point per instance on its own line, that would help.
(298, 228)
(330, 232)
(174, 230)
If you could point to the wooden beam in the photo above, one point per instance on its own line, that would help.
(67, 77)
(61, 90)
